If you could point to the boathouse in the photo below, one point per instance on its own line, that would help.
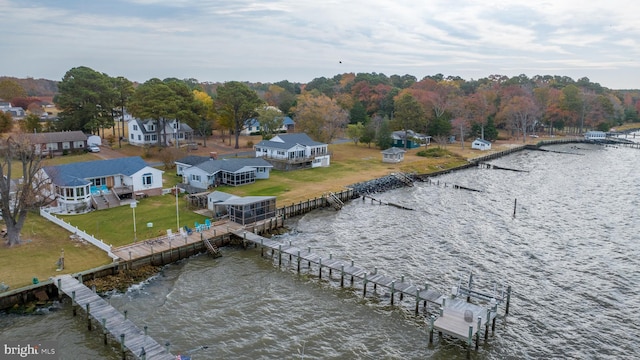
(393, 155)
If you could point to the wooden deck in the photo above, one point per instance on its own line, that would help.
(449, 317)
(148, 247)
(114, 322)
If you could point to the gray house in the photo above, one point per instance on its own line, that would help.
(201, 175)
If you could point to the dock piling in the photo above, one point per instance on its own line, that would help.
(88, 317)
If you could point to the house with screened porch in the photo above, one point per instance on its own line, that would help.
(81, 187)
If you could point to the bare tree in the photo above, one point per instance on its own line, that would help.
(18, 194)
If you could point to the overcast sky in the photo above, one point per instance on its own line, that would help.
(273, 40)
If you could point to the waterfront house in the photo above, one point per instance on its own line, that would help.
(146, 132)
(411, 138)
(79, 187)
(206, 172)
(243, 210)
(481, 144)
(252, 126)
(595, 135)
(393, 155)
(293, 151)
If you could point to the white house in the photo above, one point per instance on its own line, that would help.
(252, 126)
(77, 187)
(57, 142)
(145, 132)
(293, 151)
(481, 144)
(595, 135)
(207, 172)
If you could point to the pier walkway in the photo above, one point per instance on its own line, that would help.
(125, 331)
(449, 314)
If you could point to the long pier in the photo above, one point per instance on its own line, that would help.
(131, 338)
(448, 315)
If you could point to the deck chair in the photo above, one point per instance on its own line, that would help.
(170, 234)
(188, 230)
(183, 232)
(207, 224)
(197, 226)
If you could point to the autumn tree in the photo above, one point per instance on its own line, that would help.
(239, 103)
(271, 119)
(6, 122)
(521, 113)
(206, 114)
(20, 191)
(31, 124)
(10, 89)
(408, 116)
(85, 99)
(320, 117)
(355, 132)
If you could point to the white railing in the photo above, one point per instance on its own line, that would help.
(44, 212)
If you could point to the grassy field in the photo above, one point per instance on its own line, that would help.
(350, 164)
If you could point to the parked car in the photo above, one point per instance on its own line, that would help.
(94, 148)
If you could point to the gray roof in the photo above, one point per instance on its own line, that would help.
(219, 196)
(290, 140)
(75, 174)
(232, 165)
(483, 141)
(393, 150)
(192, 160)
(246, 200)
(56, 137)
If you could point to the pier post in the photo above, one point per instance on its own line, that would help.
(320, 268)
(166, 346)
(426, 288)
(402, 282)
(279, 255)
(469, 341)
(375, 286)
(143, 354)
(290, 255)
(431, 318)
(393, 285)
(341, 276)
(88, 317)
(59, 287)
(364, 286)
(470, 284)
(122, 348)
(104, 330)
(506, 310)
(478, 332)
(298, 261)
(262, 247)
(352, 274)
(417, 299)
(125, 314)
(309, 262)
(330, 257)
(515, 203)
(73, 302)
(486, 325)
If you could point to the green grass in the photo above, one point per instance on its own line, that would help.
(115, 226)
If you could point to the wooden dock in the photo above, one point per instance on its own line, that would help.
(123, 330)
(446, 309)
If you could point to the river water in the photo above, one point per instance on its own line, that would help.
(571, 255)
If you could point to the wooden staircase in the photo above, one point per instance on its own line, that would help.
(212, 249)
(404, 178)
(334, 200)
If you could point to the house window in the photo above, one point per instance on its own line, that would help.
(195, 177)
(154, 137)
(147, 179)
(132, 137)
(66, 145)
(139, 137)
(146, 138)
(99, 181)
(135, 127)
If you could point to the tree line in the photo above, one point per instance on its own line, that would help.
(366, 106)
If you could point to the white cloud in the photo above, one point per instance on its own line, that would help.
(219, 40)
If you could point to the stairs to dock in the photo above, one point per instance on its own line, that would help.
(212, 249)
(334, 200)
(406, 179)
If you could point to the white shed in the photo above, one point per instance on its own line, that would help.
(481, 144)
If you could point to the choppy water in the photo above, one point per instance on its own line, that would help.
(571, 255)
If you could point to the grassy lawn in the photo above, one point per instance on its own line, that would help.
(115, 226)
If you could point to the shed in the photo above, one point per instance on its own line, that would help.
(481, 144)
(393, 155)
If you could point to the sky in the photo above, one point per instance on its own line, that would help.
(273, 40)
